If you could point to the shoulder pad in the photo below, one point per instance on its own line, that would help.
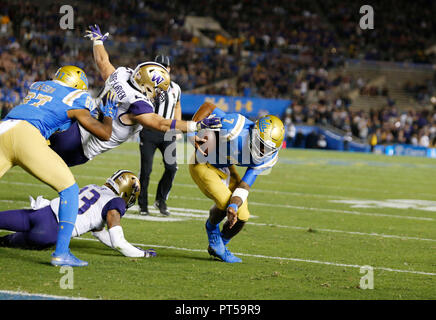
(232, 125)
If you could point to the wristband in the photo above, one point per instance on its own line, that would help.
(241, 193)
(234, 206)
(173, 124)
(98, 42)
(192, 126)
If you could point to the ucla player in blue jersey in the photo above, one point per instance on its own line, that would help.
(239, 142)
(52, 106)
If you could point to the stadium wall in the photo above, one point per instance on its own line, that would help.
(249, 107)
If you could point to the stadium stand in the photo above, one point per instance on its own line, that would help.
(364, 83)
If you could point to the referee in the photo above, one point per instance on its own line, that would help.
(169, 108)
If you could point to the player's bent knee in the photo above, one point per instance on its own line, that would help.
(221, 203)
(72, 190)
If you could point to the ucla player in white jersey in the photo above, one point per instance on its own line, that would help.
(52, 106)
(99, 206)
(239, 142)
(135, 92)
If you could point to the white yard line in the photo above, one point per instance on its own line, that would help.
(202, 214)
(178, 214)
(193, 186)
(318, 209)
(280, 258)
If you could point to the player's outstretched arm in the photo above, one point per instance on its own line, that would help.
(118, 241)
(103, 236)
(101, 57)
(101, 130)
(238, 197)
(157, 122)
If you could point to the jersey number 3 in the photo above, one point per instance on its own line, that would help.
(88, 202)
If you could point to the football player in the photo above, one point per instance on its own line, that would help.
(239, 142)
(52, 106)
(99, 206)
(135, 92)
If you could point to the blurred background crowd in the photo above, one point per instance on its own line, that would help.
(283, 49)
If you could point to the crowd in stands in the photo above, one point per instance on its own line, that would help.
(277, 49)
(403, 30)
(388, 124)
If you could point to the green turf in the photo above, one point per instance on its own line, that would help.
(299, 245)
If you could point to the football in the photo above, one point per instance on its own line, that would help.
(210, 144)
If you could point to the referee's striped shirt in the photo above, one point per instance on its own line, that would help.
(167, 103)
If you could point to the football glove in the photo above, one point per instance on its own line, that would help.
(109, 106)
(95, 34)
(149, 253)
(209, 123)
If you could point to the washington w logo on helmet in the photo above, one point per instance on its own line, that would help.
(157, 78)
(150, 78)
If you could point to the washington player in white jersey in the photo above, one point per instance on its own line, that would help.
(99, 206)
(135, 91)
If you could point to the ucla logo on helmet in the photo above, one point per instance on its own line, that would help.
(263, 124)
(157, 78)
(84, 78)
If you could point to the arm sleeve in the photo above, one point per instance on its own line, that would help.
(252, 172)
(103, 236)
(140, 107)
(114, 204)
(250, 176)
(122, 245)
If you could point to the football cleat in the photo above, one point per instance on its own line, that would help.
(215, 241)
(162, 207)
(225, 241)
(227, 256)
(144, 212)
(67, 259)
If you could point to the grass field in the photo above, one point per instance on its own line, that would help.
(307, 239)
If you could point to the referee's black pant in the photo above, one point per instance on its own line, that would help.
(150, 141)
